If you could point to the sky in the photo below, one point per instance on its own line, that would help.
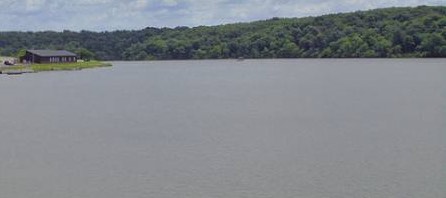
(109, 15)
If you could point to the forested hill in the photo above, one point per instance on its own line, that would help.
(390, 32)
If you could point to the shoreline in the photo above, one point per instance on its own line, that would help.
(34, 68)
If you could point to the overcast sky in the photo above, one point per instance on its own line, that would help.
(100, 15)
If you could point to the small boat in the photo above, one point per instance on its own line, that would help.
(241, 58)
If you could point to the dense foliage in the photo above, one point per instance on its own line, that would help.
(390, 32)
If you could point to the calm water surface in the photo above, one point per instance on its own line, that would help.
(268, 128)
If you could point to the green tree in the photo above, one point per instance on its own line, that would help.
(350, 47)
(434, 45)
(20, 53)
(85, 54)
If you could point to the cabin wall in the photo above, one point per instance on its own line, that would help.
(59, 59)
(32, 58)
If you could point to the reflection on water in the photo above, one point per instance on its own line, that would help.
(266, 128)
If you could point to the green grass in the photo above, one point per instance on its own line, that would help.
(68, 66)
(57, 66)
(15, 67)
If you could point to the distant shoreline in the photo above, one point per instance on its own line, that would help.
(398, 32)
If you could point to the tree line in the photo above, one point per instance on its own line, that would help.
(390, 32)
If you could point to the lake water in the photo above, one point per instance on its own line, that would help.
(338, 128)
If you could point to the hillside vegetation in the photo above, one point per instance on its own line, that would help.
(390, 32)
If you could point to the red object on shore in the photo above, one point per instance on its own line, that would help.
(8, 63)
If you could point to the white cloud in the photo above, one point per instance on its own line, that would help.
(170, 2)
(34, 5)
(138, 14)
(140, 4)
(89, 2)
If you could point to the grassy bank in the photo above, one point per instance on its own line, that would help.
(57, 67)
(68, 66)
